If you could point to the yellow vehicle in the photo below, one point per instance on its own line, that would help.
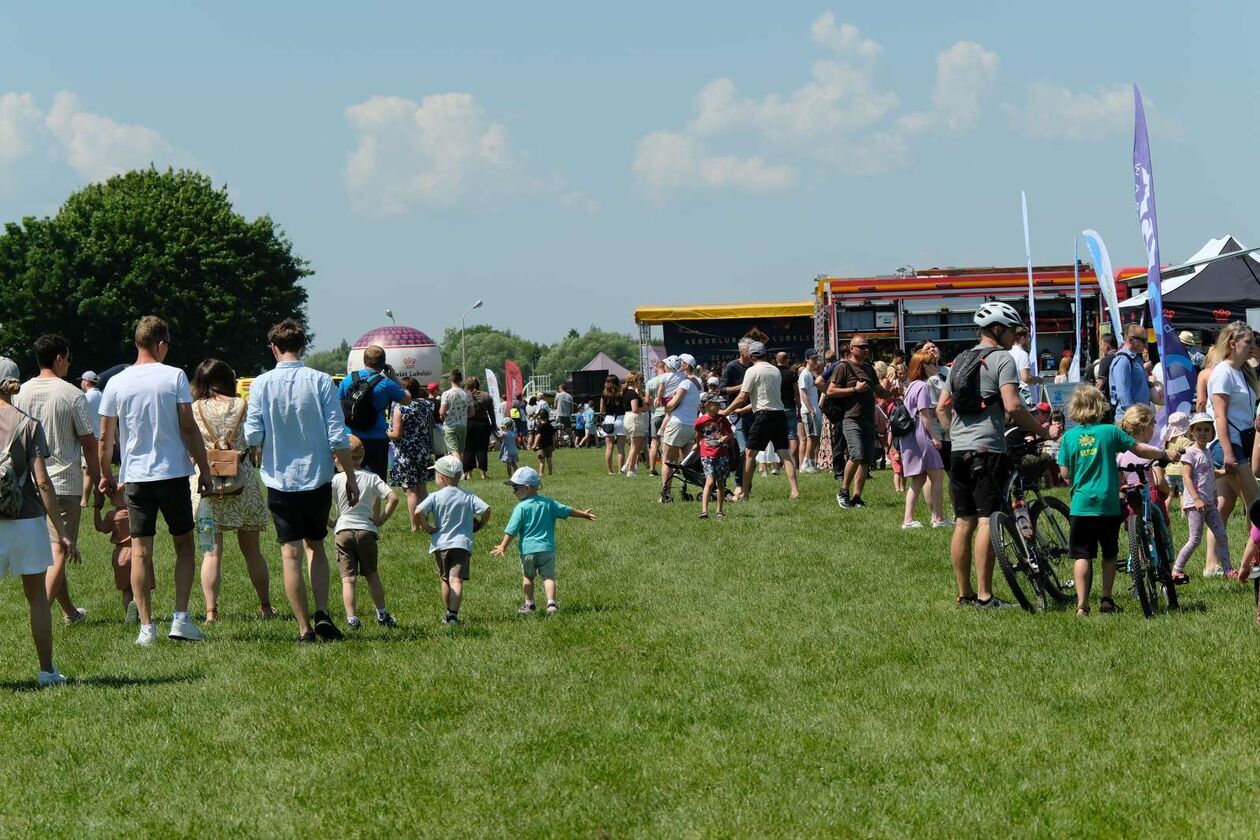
(242, 384)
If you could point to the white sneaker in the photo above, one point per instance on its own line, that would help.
(632, 474)
(51, 678)
(944, 523)
(184, 630)
(79, 615)
(906, 526)
(148, 636)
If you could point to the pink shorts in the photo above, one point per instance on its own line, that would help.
(1255, 534)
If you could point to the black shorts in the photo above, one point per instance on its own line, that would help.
(171, 496)
(1087, 534)
(859, 439)
(769, 430)
(301, 514)
(376, 457)
(977, 481)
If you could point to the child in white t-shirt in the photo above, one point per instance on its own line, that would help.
(356, 533)
(457, 515)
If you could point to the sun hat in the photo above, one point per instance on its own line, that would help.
(449, 466)
(1201, 417)
(88, 376)
(9, 371)
(1187, 337)
(524, 477)
(757, 350)
(1178, 425)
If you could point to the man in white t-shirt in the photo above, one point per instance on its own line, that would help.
(149, 407)
(681, 394)
(63, 412)
(1024, 364)
(811, 417)
(762, 387)
(454, 410)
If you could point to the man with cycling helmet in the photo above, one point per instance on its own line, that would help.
(979, 464)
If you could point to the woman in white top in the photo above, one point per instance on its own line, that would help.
(219, 412)
(1232, 390)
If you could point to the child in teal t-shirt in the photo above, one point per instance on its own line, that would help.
(533, 522)
(1087, 461)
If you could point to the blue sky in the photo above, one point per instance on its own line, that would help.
(569, 162)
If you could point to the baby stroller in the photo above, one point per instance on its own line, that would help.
(690, 471)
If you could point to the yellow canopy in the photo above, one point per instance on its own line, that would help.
(707, 312)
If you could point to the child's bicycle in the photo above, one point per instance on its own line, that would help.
(1150, 560)
(1031, 542)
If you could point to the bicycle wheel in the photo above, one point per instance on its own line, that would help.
(1164, 559)
(1140, 565)
(1050, 519)
(1008, 550)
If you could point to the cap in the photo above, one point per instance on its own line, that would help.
(1201, 417)
(713, 380)
(1187, 337)
(9, 371)
(672, 363)
(524, 477)
(1043, 406)
(711, 399)
(449, 466)
(811, 353)
(88, 376)
(432, 387)
(757, 350)
(687, 359)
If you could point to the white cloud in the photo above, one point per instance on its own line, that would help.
(1056, 113)
(97, 146)
(841, 116)
(435, 152)
(19, 123)
(843, 38)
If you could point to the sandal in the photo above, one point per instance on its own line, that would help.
(1106, 605)
(212, 615)
(267, 612)
(965, 601)
(1082, 612)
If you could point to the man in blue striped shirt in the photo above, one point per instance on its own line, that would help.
(295, 415)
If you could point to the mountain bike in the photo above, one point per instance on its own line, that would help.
(1030, 543)
(1150, 560)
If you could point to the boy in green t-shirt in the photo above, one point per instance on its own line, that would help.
(1087, 461)
(533, 522)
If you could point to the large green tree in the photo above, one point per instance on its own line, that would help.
(488, 347)
(329, 361)
(575, 351)
(149, 242)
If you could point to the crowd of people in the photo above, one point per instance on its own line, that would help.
(303, 455)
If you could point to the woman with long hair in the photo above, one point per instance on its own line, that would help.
(920, 450)
(1232, 390)
(612, 412)
(220, 413)
(480, 426)
(411, 430)
(637, 420)
(24, 547)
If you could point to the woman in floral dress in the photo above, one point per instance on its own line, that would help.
(219, 412)
(412, 434)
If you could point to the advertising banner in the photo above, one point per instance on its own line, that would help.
(515, 382)
(492, 388)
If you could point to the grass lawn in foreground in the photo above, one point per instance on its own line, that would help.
(795, 669)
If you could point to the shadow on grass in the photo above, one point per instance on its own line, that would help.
(104, 682)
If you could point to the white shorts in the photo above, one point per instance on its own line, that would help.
(24, 547)
(675, 433)
(619, 426)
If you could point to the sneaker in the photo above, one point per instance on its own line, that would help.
(79, 615)
(943, 523)
(324, 627)
(704, 515)
(182, 629)
(47, 679)
(353, 623)
(906, 526)
(450, 618)
(721, 515)
(386, 620)
(133, 613)
(666, 498)
(1215, 573)
(857, 503)
(842, 499)
(553, 608)
(991, 604)
(632, 474)
(526, 609)
(148, 636)
(307, 638)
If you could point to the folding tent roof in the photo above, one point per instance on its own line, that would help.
(1211, 294)
(603, 361)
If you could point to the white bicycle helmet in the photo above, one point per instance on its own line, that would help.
(996, 312)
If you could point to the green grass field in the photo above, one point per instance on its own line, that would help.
(793, 670)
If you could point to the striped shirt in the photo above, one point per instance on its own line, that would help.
(62, 410)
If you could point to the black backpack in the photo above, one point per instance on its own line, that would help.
(964, 381)
(901, 421)
(356, 405)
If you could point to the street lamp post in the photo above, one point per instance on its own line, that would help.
(463, 356)
(389, 313)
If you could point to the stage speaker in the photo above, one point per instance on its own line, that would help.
(588, 384)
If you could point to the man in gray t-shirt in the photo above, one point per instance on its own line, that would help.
(979, 466)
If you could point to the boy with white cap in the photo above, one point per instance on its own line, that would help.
(457, 515)
(533, 522)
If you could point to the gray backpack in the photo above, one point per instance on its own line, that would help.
(11, 479)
